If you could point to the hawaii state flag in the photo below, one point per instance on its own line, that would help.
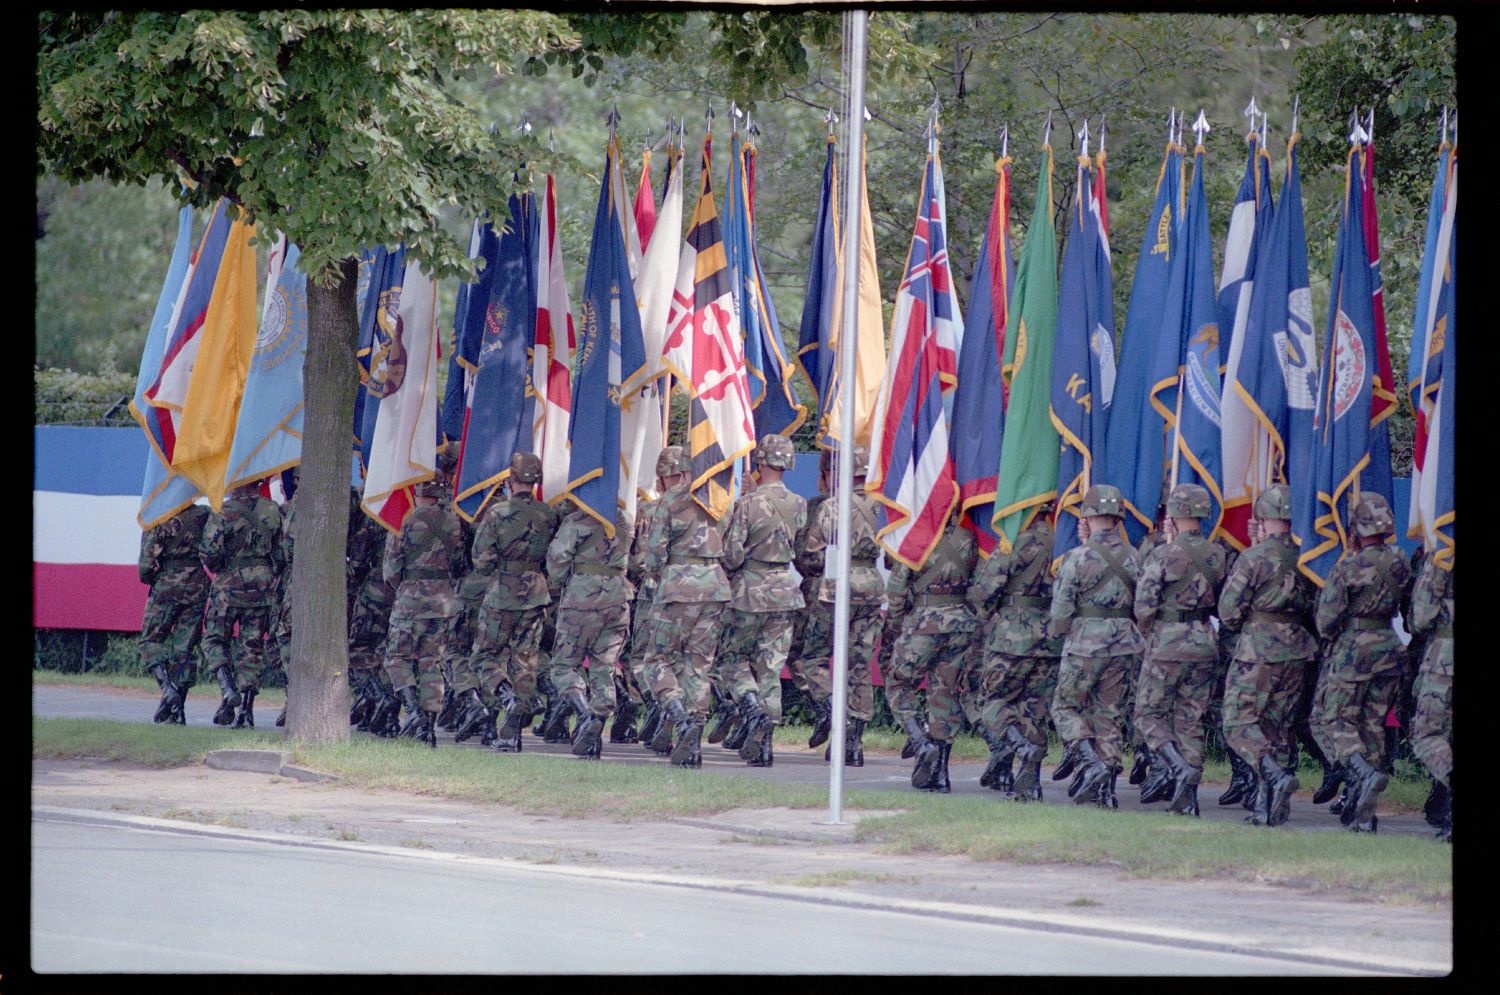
(552, 354)
(703, 351)
(979, 400)
(1083, 356)
(911, 470)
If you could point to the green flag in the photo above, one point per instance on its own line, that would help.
(1029, 447)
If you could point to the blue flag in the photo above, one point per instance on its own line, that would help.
(1083, 356)
(378, 300)
(1444, 509)
(1135, 449)
(815, 353)
(1341, 419)
(979, 399)
(1193, 321)
(463, 359)
(497, 423)
(611, 351)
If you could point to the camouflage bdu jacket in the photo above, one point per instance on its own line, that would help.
(1432, 604)
(587, 565)
(1019, 585)
(812, 577)
(364, 552)
(759, 547)
(1269, 602)
(683, 550)
(422, 562)
(1354, 611)
(932, 601)
(865, 586)
(169, 557)
(645, 585)
(1091, 601)
(509, 547)
(1175, 595)
(242, 546)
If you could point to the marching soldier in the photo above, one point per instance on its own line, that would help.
(1432, 726)
(638, 681)
(1269, 602)
(422, 564)
(1091, 609)
(376, 706)
(1158, 536)
(1019, 671)
(814, 625)
(1175, 597)
(242, 546)
(765, 598)
(936, 627)
(509, 546)
(281, 628)
(684, 548)
(593, 619)
(173, 622)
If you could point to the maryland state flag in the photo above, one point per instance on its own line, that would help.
(498, 421)
(610, 353)
(979, 400)
(1342, 419)
(1083, 357)
(552, 352)
(703, 351)
(1029, 448)
(815, 340)
(1430, 370)
(911, 469)
(1135, 450)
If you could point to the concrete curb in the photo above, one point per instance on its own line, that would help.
(264, 762)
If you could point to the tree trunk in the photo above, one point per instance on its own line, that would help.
(317, 686)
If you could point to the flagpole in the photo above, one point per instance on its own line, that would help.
(854, 69)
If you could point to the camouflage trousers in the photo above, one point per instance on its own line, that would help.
(457, 672)
(684, 638)
(599, 634)
(970, 694)
(752, 654)
(413, 658)
(800, 619)
(1260, 708)
(1432, 727)
(369, 623)
(507, 646)
(719, 677)
(634, 657)
(816, 663)
(170, 632)
(1349, 715)
(281, 634)
(1015, 691)
(937, 656)
(249, 649)
(1089, 701)
(1170, 701)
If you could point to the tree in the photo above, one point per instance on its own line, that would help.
(338, 128)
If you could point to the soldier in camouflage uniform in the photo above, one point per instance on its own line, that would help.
(376, 706)
(509, 547)
(684, 548)
(1362, 665)
(1175, 596)
(637, 681)
(1158, 536)
(1268, 602)
(423, 564)
(765, 597)
(593, 619)
(242, 546)
(866, 592)
(1432, 726)
(1091, 609)
(1020, 659)
(281, 629)
(173, 622)
(822, 723)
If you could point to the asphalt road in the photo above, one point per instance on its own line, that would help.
(216, 901)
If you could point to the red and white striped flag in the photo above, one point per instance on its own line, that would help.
(552, 357)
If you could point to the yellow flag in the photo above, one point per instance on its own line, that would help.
(869, 359)
(211, 407)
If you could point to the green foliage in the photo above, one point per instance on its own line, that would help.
(63, 397)
(80, 651)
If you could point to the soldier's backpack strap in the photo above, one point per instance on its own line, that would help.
(1018, 583)
(1113, 566)
(1286, 561)
(1199, 568)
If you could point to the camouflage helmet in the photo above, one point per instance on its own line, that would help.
(1189, 501)
(525, 468)
(673, 460)
(1102, 499)
(776, 452)
(447, 460)
(861, 459)
(431, 488)
(1274, 502)
(1373, 517)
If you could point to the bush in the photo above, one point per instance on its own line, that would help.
(83, 651)
(64, 397)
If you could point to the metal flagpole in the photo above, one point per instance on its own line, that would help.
(854, 71)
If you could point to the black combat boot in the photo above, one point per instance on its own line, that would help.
(1433, 807)
(754, 722)
(1159, 780)
(1028, 786)
(588, 737)
(169, 693)
(726, 715)
(508, 737)
(411, 699)
(448, 718)
(245, 719)
(854, 743)
(916, 735)
(179, 714)
(940, 782)
(230, 697)
(555, 723)
(622, 729)
(1445, 828)
(822, 721)
(1345, 794)
(1105, 795)
(427, 733)
(281, 719)
(739, 729)
(1001, 753)
(1241, 780)
(1333, 776)
(1142, 766)
(674, 715)
(651, 724)
(1067, 764)
(930, 770)
(472, 715)
(1359, 811)
(1260, 811)
(1280, 786)
(687, 749)
(1185, 778)
(1092, 773)
(366, 699)
(385, 721)
(764, 754)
